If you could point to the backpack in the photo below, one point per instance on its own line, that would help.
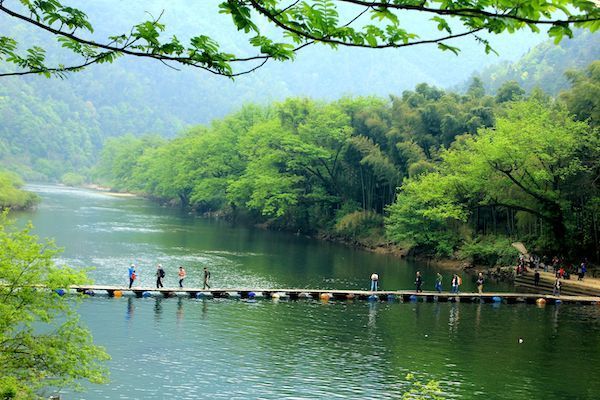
(161, 273)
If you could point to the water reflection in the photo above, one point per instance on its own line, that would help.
(372, 314)
(130, 309)
(477, 316)
(179, 311)
(158, 308)
(454, 317)
(204, 308)
(555, 319)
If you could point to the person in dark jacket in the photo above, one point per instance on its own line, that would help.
(206, 278)
(419, 282)
(160, 274)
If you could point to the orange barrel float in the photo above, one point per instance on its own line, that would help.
(118, 293)
(541, 301)
(325, 296)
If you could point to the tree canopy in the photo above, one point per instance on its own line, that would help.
(42, 343)
(448, 172)
(289, 27)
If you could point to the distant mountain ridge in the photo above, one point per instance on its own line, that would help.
(48, 127)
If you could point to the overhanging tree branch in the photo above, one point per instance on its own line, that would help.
(302, 22)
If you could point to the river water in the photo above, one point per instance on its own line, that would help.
(181, 348)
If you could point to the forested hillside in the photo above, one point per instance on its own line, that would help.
(52, 126)
(544, 65)
(475, 171)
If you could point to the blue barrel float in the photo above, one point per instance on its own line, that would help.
(413, 297)
(60, 292)
(373, 298)
(497, 299)
(89, 292)
(146, 294)
(200, 295)
(251, 295)
(391, 297)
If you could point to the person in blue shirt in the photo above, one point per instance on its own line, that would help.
(131, 273)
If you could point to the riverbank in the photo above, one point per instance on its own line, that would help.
(373, 241)
(107, 190)
(12, 196)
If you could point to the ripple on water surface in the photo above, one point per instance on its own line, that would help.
(183, 348)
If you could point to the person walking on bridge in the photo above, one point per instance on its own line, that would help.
(480, 283)
(160, 274)
(557, 285)
(206, 278)
(131, 274)
(438, 283)
(455, 283)
(419, 282)
(182, 276)
(374, 281)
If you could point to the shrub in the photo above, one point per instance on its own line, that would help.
(489, 251)
(73, 179)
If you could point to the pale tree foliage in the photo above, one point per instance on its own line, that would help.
(292, 25)
(42, 344)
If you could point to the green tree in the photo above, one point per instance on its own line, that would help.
(42, 343)
(533, 162)
(583, 99)
(509, 91)
(296, 25)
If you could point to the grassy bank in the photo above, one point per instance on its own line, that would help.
(12, 196)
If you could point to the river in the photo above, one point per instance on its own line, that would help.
(181, 348)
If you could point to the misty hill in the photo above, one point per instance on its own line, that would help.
(544, 65)
(51, 126)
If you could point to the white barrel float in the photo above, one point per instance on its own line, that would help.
(350, 296)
